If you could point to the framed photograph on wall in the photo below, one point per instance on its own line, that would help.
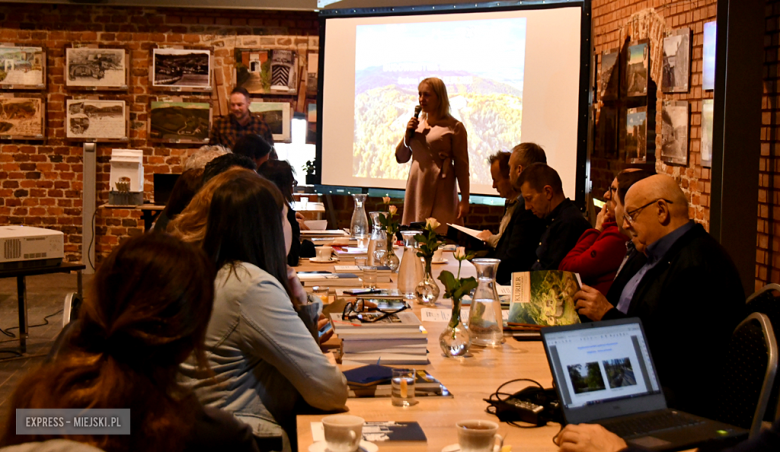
(677, 61)
(707, 117)
(181, 69)
(312, 73)
(277, 116)
(674, 132)
(607, 131)
(96, 68)
(311, 123)
(609, 75)
(708, 55)
(179, 121)
(637, 68)
(22, 117)
(262, 71)
(636, 135)
(96, 120)
(22, 67)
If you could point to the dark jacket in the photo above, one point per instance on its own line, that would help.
(689, 304)
(517, 246)
(564, 226)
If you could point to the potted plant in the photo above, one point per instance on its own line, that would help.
(310, 168)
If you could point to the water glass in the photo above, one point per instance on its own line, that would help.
(369, 276)
(402, 390)
(323, 292)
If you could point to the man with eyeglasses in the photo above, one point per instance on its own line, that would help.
(688, 293)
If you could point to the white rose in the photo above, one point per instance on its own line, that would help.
(392, 209)
(432, 223)
(460, 253)
(386, 199)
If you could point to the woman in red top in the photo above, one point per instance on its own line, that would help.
(600, 251)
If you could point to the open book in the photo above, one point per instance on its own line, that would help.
(544, 298)
(469, 231)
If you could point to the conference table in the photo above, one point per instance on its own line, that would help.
(469, 379)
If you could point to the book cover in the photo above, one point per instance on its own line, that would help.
(544, 298)
(393, 431)
(377, 321)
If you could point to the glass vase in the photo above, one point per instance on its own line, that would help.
(391, 260)
(358, 227)
(377, 240)
(411, 270)
(455, 339)
(486, 325)
(427, 291)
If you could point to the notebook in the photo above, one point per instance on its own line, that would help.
(604, 374)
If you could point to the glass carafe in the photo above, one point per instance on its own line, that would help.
(378, 239)
(411, 271)
(358, 227)
(486, 326)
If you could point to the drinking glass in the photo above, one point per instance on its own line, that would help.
(402, 390)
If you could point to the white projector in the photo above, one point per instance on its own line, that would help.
(26, 247)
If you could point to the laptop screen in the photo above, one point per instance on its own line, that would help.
(602, 369)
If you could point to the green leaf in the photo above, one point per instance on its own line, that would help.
(450, 283)
(466, 286)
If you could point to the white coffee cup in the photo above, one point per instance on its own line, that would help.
(438, 255)
(343, 432)
(476, 435)
(324, 252)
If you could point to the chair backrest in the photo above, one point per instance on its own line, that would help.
(70, 310)
(750, 369)
(766, 302)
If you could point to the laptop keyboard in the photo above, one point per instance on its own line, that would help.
(641, 425)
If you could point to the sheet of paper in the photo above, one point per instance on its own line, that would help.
(503, 290)
(469, 231)
(444, 315)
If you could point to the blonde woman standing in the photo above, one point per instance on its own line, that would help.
(437, 144)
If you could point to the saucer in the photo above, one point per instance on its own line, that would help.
(365, 446)
(324, 261)
(456, 448)
(443, 261)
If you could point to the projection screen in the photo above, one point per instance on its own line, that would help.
(512, 76)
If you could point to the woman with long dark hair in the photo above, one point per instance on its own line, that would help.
(281, 173)
(146, 313)
(264, 357)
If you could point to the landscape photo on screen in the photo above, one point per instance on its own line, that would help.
(183, 121)
(22, 66)
(90, 67)
(620, 373)
(484, 84)
(586, 377)
(96, 119)
(21, 117)
(182, 68)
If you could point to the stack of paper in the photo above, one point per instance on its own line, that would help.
(395, 339)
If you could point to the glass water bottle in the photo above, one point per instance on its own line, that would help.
(411, 271)
(486, 326)
(359, 225)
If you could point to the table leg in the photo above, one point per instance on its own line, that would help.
(21, 291)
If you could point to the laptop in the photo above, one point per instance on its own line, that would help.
(163, 186)
(604, 374)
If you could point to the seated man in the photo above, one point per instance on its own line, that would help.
(517, 246)
(499, 171)
(542, 191)
(688, 293)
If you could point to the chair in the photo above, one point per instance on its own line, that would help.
(749, 372)
(765, 302)
(70, 310)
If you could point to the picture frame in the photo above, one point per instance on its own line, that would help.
(181, 69)
(180, 120)
(312, 73)
(675, 132)
(311, 122)
(636, 135)
(676, 73)
(609, 75)
(278, 117)
(607, 132)
(637, 68)
(708, 56)
(96, 68)
(22, 117)
(22, 67)
(266, 71)
(707, 118)
(96, 120)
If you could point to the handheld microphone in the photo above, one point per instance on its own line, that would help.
(417, 110)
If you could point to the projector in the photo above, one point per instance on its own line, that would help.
(26, 247)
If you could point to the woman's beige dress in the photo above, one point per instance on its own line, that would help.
(440, 157)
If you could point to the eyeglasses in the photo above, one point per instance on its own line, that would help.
(367, 313)
(631, 216)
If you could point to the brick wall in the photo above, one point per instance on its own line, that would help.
(768, 246)
(41, 183)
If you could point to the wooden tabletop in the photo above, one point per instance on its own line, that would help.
(470, 380)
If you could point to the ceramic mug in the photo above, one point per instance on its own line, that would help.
(478, 436)
(343, 432)
(324, 253)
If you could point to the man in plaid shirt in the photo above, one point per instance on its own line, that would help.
(228, 129)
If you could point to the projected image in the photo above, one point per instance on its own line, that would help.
(484, 83)
(619, 372)
(708, 71)
(586, 377)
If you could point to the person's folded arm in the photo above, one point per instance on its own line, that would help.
(277, 334)
(597, 253)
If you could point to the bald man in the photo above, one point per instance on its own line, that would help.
(688, 293)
